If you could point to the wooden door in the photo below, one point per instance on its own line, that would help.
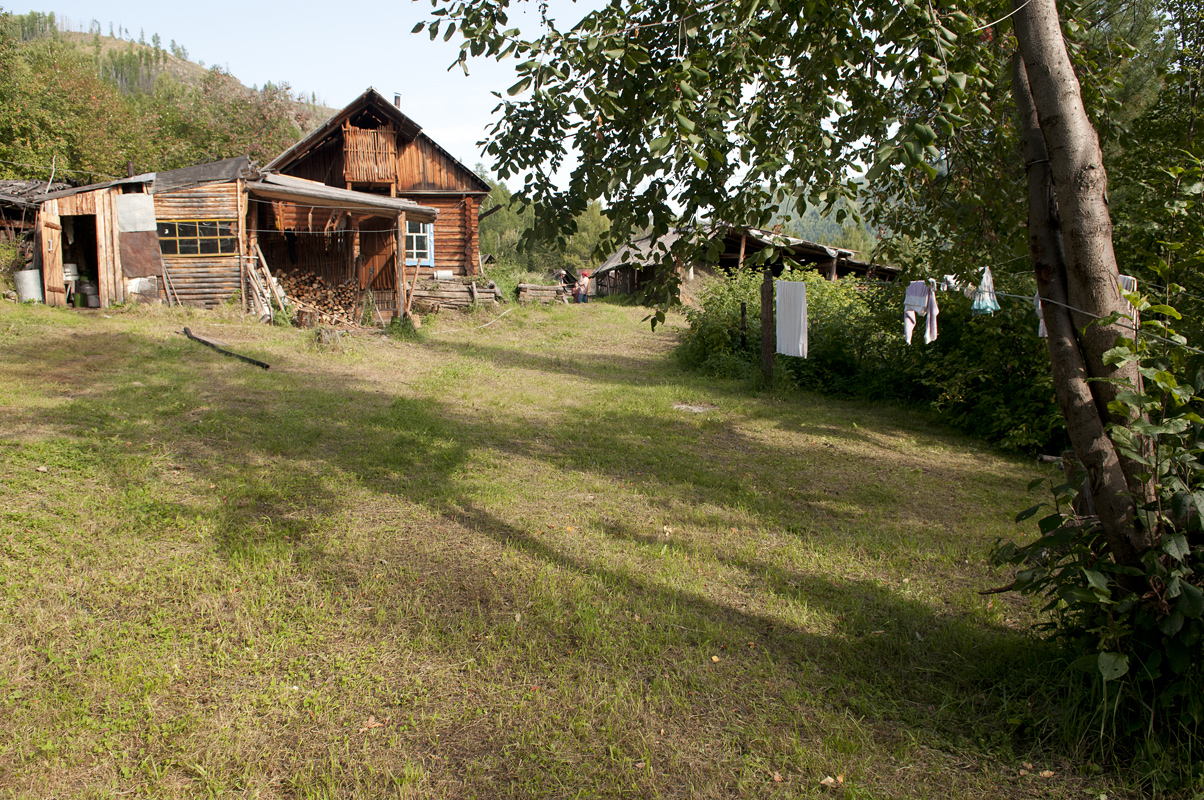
(378, 249)
(50, 233)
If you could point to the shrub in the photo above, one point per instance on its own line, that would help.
(508, 273)
(1136, 634)
(986, 375)
(714, 343)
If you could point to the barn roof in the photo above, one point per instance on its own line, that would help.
(640, 252)
(24, 193)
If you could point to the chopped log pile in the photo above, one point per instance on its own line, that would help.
(318, 303)
(431, 295)
(330, 305)
(538, 293)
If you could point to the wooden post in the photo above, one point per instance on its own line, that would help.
(399, 256)
(832, 267)
(743, 326)
(743, 239)
(247, 239)
(768, 332)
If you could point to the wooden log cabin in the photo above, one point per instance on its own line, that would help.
(372, 147)
(193, 235)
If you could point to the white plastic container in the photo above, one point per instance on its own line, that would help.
(70, 272)
(443, 274)
(29, 285)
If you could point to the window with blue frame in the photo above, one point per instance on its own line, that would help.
(420, 243)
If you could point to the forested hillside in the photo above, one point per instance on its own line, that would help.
(88, 104)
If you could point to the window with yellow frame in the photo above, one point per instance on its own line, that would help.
(198, 237)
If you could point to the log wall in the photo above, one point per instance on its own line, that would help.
(202, 281)
(457, 239)
(211, 201)
(423, 166)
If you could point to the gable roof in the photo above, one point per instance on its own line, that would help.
(375, 106)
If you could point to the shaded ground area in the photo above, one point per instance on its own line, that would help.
(499, 561)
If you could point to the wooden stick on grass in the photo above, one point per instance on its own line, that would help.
(209, 343)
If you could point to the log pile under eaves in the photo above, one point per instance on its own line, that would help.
(330, 305)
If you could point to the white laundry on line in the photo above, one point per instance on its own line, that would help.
(791, 318)
(921, 299)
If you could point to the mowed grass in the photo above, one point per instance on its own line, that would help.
(495, 562)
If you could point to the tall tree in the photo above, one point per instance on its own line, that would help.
(1071, 244)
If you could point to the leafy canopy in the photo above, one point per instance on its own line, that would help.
(693, 110)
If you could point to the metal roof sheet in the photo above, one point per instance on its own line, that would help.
(223, 171)
(299, 190)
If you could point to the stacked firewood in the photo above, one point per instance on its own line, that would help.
(333, 305)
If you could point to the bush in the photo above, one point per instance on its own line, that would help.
(714, 344)
(1136, 633)
(508, 273)
(986, 375)
(10, 262)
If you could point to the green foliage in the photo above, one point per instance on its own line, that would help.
(1136, 632)
(91, 116)
(132, 69)
(403, 328)
(713, 112)
(35, 25)
(986, 375)
(503, 234)
(218, 119)
(716, 345)
(10, 261)
(509, 272)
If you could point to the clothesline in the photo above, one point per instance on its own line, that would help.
(896, 286)
(1119, 322)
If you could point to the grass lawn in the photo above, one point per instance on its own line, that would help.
(495, 562)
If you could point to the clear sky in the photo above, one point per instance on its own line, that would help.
(334, 49)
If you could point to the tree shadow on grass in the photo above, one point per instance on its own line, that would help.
(876, 652)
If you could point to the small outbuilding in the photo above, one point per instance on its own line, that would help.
(367, 204)
(193, 235)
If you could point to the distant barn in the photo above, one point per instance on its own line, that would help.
(634, 265)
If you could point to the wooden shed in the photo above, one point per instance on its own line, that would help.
(192, 235)
(372, 147)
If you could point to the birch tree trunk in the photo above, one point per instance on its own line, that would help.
(1070, 234)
